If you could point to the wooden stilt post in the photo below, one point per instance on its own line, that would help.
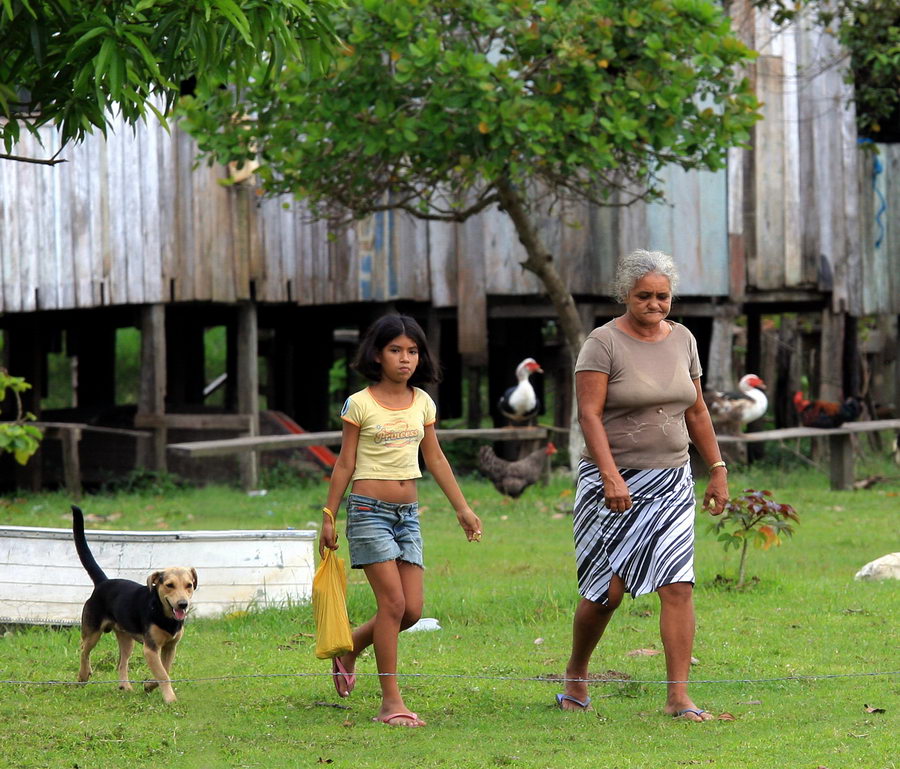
(471, 313)
(152, 393)
(831, 346)
(831, 356)
(433, 333)
(841, 460)
(719, 370)
(72, 461)
(473, 397)
(588, 313)
(248, 385)
(787, 379)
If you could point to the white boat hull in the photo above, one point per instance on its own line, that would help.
(43, 582)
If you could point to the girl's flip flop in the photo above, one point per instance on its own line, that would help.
(339, 672)
(389, 719)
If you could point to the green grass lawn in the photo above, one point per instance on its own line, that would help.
(253, 695)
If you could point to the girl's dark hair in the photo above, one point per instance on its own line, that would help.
(380, 334)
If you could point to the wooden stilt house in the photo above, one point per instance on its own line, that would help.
(128, 234)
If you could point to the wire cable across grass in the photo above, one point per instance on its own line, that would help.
(470, 676)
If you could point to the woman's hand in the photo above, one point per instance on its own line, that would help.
(328, 538)
(716, 495)
(471, 524)
(615, 492)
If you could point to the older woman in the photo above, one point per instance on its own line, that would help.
(639, 404)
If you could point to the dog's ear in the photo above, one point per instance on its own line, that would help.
(194, 577)
(154, 579)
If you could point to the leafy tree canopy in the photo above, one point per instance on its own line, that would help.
(582, 95)
(70, 62)
(870, 32)
(443, 108)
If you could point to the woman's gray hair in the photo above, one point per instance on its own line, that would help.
(639, 263)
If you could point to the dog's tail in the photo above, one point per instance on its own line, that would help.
(81, 546)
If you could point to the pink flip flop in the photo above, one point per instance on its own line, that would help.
(388, 719)
(338, 672)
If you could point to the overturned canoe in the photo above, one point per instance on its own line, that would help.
(42, 580)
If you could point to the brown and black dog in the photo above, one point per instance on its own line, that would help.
(152, 614)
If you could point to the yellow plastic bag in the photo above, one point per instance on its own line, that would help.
(329, 598)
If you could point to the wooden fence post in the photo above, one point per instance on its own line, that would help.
(248, 386)
(152, 394)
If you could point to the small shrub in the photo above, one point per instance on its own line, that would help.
(753, 516)
(462, 454)
(17, 437)
(290, 475)
(143, 481)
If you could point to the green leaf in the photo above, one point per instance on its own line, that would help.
(236, 16)
(116, 74)
(101, 63)
(146, 55)
(86, 37)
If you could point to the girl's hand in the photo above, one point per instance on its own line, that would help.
(615, 492)
(328, 538)
(471, 524)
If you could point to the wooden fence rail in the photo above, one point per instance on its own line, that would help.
(839, 443)
(227, 446)
(69, 435)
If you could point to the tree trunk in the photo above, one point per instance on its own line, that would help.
(540, 262)
(742, 569)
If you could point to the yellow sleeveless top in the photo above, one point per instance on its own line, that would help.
(389, 438)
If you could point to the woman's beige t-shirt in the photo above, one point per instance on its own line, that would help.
(650, 387)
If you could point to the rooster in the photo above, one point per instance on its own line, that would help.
(825, 414)
(733, 409)
(512, 478)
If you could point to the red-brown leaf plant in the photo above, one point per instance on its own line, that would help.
(753, 517)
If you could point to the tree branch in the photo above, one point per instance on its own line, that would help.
(37, 161)
(438, 215)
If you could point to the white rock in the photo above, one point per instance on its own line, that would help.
(886, 567)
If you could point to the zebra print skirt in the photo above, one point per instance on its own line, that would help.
(647, 546)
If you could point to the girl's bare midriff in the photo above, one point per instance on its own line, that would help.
(398, 492)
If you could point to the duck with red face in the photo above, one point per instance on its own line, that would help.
(520, 402)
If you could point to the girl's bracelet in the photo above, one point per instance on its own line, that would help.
(714, 465)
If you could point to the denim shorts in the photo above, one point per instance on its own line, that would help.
(383, 531)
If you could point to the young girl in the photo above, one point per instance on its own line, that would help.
(384, 426)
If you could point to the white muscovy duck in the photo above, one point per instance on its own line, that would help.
(733, 409)
(520, 403)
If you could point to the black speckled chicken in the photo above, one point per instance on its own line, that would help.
(513, 477)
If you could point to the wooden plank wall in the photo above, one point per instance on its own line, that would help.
(829, 201)
(794, 203)
(129, 220)
(879, 219)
